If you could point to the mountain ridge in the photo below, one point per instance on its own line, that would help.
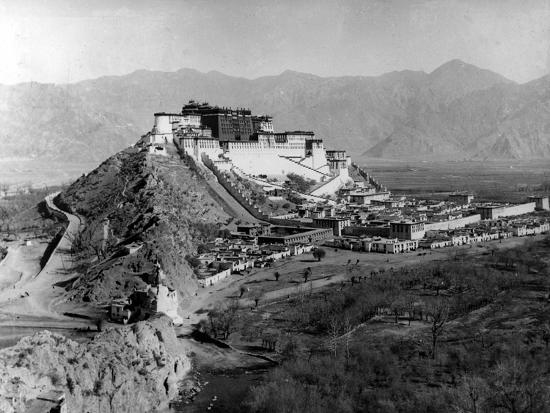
(456, 111)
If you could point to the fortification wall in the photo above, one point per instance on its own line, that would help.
(452, 224)
(234, 191)
(516, 210)
(197, 147)
(213, 279)
(488, 212)
(369, 178)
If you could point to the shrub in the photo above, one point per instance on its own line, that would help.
(98, 386)
(194, 262)
(70, 384)
(298, 183)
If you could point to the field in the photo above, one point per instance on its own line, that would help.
(497, 180)
(39, 173)
(510, 180)
(370, 345)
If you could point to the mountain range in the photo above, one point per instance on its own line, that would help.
(458, 111)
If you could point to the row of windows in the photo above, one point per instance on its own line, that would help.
(407, 228)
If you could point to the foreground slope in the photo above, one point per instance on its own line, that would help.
(157, 203)
(130, 369)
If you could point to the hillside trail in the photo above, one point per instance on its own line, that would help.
(32, 298)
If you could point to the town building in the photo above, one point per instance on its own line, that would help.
(407, 230)
(292, 235)
(336, 224)
(155, 299)
(389, 246)
(541, 202)
(461, 198)
(367, 196)
(120, 311)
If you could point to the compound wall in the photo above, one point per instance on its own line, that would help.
(452, 224)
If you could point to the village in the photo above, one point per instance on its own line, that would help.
(362, 229)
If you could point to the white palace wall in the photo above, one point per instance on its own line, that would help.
(267, 156)
(195, 147)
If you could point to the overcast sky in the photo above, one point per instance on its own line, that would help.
(66, 41)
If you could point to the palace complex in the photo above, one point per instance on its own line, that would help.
(236, 138)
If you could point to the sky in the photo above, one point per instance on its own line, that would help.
(63, 41)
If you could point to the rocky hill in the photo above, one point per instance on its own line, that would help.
(457, 111)
(157, 203)
(129, 369)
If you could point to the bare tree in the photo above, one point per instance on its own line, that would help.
(397, 306)
(334, 334)
(410, 305)
(517, 385)
(348, 328)
(223, 319)
(4, 217)
(307, 274)
(470, 395)
(438, 313)
(319, 254)
(4, 188)
(546, 334)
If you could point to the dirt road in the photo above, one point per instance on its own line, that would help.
(30, 298)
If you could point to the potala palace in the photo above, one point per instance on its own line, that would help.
(235, 138)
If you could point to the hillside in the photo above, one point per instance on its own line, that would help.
(457, 111)
(156, 202)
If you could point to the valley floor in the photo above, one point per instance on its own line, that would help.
(330, 272)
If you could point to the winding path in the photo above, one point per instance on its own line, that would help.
(34, 301)
(61, 254)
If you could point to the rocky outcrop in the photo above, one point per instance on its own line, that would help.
(129, 369)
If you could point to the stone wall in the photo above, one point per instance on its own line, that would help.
(368, 177)
(452, 224)
(252, 208)
(208, 281)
